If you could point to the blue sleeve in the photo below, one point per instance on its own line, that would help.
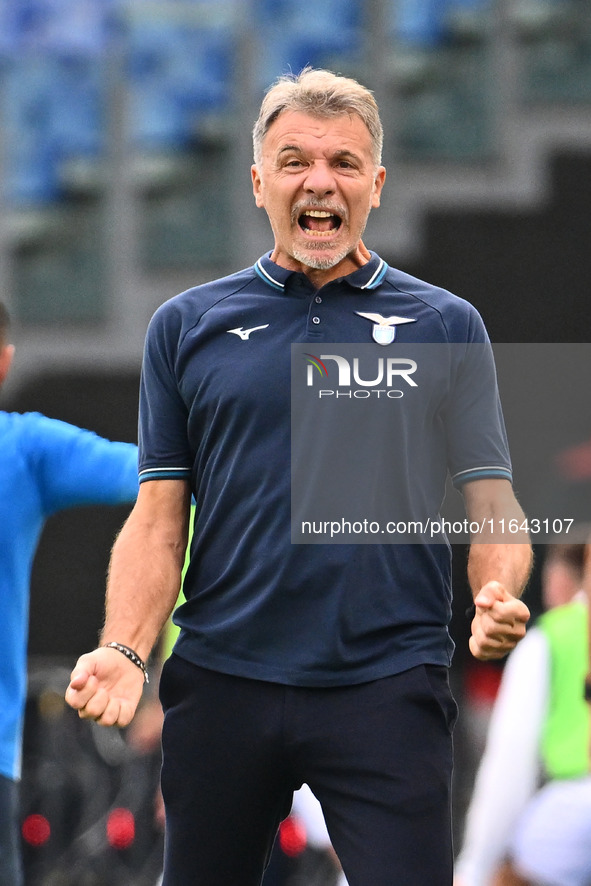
(77, 467)
(164, 451)
(475, 428)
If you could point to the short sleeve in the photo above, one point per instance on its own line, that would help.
(74, 467)
(477, 443)
(163, 415)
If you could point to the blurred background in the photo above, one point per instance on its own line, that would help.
(125, 152)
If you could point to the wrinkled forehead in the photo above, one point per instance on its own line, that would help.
(303, 129)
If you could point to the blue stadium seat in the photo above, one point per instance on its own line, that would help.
(156, 120)
(9, 29)
(52, 89)
(60, 25)
(420, 23)
(179, 67)
(202, 69)
(294, 38)
(77, 112)
(30, 163)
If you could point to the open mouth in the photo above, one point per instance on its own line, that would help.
(319, 222)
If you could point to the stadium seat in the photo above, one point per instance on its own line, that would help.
(77, 110)
(178, 66)
(28, 157)
(293, 40)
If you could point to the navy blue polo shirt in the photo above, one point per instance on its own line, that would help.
(215, 409)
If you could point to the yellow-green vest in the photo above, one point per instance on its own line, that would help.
(567, 733)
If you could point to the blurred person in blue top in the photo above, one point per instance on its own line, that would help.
(325, 664)
(46, 465)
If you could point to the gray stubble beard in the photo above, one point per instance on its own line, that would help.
(317, 263)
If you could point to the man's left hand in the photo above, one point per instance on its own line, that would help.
(498, 624)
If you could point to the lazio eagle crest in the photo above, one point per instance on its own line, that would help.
(384, 329)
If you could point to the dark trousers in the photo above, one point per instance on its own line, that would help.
(377, 755)
(10, 858)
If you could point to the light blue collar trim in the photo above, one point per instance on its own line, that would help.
(264, 275)
(377, 277)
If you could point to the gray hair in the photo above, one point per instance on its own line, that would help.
(322, 94)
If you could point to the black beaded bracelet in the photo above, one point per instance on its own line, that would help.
(132, 656)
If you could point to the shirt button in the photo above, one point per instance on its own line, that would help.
(318, 300)
(316, 320)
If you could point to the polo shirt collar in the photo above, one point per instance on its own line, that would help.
(369, 276)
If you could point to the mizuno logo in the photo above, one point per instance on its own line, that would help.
(244, 334)
(384, 331)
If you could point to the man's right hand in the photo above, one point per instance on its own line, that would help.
(105, 686)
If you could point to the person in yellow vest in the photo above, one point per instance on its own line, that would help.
(529, 820)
